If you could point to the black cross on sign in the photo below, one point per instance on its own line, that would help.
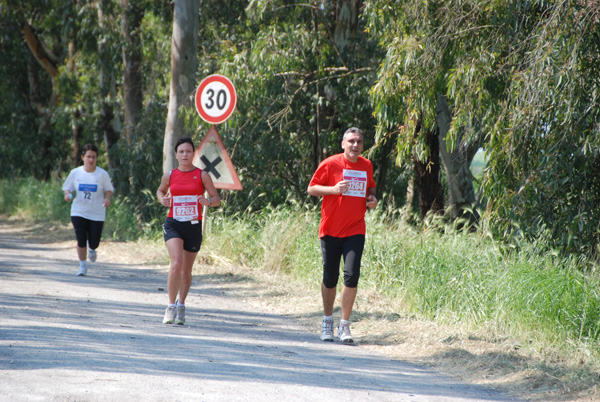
(210, 166)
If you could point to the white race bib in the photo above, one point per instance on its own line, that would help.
(357, 180)
(185, 208)
(87, 192)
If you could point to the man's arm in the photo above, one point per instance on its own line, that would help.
(318, 190)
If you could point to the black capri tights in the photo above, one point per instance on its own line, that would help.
(333, 248)
(88, 232)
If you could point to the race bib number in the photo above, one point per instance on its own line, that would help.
(357, 180)
(86, 190)
(185, 208)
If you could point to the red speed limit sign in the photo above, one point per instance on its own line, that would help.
(215, 99)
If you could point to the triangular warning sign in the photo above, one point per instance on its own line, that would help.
(211, 156)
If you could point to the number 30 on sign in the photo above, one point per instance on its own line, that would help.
(215, 99)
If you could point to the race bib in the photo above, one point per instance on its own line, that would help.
(87, 190)
(357, 180)
(185, 208)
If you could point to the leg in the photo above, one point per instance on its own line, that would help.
(94, 234)
(81, 253)
(328, 295)
(174, 280)
(186, 274)
(81, 227)
(353, 248)
(332, 253)
(348, 297)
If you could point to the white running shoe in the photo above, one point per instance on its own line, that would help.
(92, 255)
(180, 320)
(344, 333)
(82, 270)
(170, 314)
(327, 330)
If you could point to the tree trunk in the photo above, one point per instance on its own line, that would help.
(457, 163)
(383, 157)
(43, 112)
(431, 194)
(132, 86)
(76, 127)
(183, 75)
(109, 125)
(48, 61)
(132, 65)
(346, 23)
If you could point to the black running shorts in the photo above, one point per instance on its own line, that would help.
(190, 233)
(88, 232)
(333, 248)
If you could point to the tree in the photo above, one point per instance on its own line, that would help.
(183, 76)
(299, 88)
(457, 159)
(521, 78)
(110, 124)
(48, 44)
(414, 80)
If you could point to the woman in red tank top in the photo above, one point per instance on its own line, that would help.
(182, 191)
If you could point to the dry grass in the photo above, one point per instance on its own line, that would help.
(476, 357)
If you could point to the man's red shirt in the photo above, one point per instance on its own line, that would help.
(343, 215)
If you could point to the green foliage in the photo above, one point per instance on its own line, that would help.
(453, 277)
(522, 75)
(44, 201)
(34, 199)
(545, 147)
(296, 96)
(275, 239)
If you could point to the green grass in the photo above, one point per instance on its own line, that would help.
(451, 277)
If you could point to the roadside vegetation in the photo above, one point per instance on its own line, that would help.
(547, 303)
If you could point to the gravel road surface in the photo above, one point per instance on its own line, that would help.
(101, 338)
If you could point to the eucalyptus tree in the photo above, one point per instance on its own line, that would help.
(48, 43)
(184, 44)
(302, 79)
(519, 77)
(427, 44)
(110, 124)
(544, 173)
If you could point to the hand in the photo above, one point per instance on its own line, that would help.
(106, 203)
(166, 200)
(204, 201)
(372, 201)
(68, 197)
(341, 187)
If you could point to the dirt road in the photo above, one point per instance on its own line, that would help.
(100, 338)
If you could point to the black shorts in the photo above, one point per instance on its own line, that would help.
(88, 232)
(333, 248)
(190, 233)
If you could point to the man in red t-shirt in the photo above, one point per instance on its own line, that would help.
(345, 181)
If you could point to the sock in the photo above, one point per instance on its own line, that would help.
(328, 317)
(172, 305)
(83, 263)
(344, 322)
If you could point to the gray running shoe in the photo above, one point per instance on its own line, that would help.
(344, 333)
(170, 314)
(327, 330)
(180, 320)
(82, 270)
(92, 255)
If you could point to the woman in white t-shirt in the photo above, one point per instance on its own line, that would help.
(93, 190)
